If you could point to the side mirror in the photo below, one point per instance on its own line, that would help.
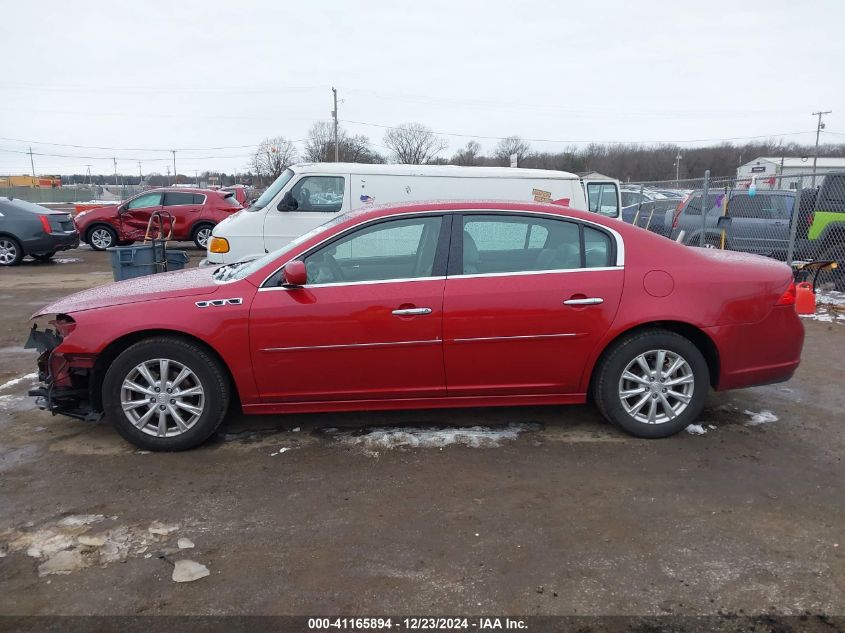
(294, 274)
(288, 203)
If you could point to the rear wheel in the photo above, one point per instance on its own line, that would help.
(11, 252)
(652, 383)
(166, 394)
(101, 237)
(201, 234)
(832, 279)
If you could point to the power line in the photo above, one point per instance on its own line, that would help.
(129, 149)
(130, 158)
(547, 140)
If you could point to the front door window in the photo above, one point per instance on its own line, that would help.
(319, 193)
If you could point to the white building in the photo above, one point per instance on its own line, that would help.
(785, 172)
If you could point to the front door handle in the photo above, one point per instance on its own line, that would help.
(411, 311)
(586, 301)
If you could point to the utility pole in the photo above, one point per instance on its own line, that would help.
(32, 162)
(678, 168)
(140, 173)
(819, 128)
(114, 160)
(334, 116)
(175, 177)
(90, 178)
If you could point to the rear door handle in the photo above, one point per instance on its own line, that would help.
(411, 311)
(587, 301)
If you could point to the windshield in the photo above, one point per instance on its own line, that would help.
(239, 270)
(278, 184)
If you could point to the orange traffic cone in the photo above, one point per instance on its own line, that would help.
(805, 298)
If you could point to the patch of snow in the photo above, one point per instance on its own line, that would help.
(15, 381)
(284, 449)
(433, 437)
(696, 429)
(763, 417)
(188, 571)
(76, 520)
(67, 260)
(184, 543)
(160, 529)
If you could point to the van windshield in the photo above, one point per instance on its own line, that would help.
(239, 270)
(271, 191)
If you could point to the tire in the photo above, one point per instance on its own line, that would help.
(147, 425)
(11, 252)
(609, 385)
(43, 257)
(832, 279)
(201, 234)
(101, 237)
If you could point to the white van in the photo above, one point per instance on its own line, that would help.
(309, 194)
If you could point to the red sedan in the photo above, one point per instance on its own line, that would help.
(195, 213)
(429, 305)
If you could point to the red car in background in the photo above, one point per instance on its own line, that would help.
(195, 213)
(446, 304)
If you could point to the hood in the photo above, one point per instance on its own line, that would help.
(180, 283)
(106, 211)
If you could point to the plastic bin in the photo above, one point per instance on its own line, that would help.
(176, 260)
(128, 262)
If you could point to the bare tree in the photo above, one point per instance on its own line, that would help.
(413, 144)
(319, 147)
(273, 156)
(509, 146)
(468, 154)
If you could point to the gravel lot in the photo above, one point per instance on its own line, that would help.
(550, 511)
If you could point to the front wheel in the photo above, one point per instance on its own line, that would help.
(166, 394)
(102, 237)
(652, 383)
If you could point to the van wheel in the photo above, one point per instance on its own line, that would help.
(101, 237)
(11, 252)
(166, 394)
(832, 279)
(201, 234)
(652, 383)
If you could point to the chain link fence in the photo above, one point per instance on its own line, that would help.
(794, 218)
(71, 193)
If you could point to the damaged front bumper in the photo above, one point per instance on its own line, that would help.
(67, 380)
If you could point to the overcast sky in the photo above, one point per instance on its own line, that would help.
(213, 74)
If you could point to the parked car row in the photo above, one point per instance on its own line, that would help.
(28, 229)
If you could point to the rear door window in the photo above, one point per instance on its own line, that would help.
(501, 244)
(179, 198)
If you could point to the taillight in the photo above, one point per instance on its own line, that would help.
(45, 223)
(788, 297)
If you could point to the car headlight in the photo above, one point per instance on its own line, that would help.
(218, 245)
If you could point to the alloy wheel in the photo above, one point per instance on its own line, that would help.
(656, 386)
(101, 238)
(8, 252)
(203, 235)
(162, 397)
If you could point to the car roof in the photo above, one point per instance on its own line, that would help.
(24, 205)
(453, 171)
(447, 206)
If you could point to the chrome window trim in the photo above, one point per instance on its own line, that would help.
(556, 271)
(620, 246)
(352, 283)
(350, 345)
